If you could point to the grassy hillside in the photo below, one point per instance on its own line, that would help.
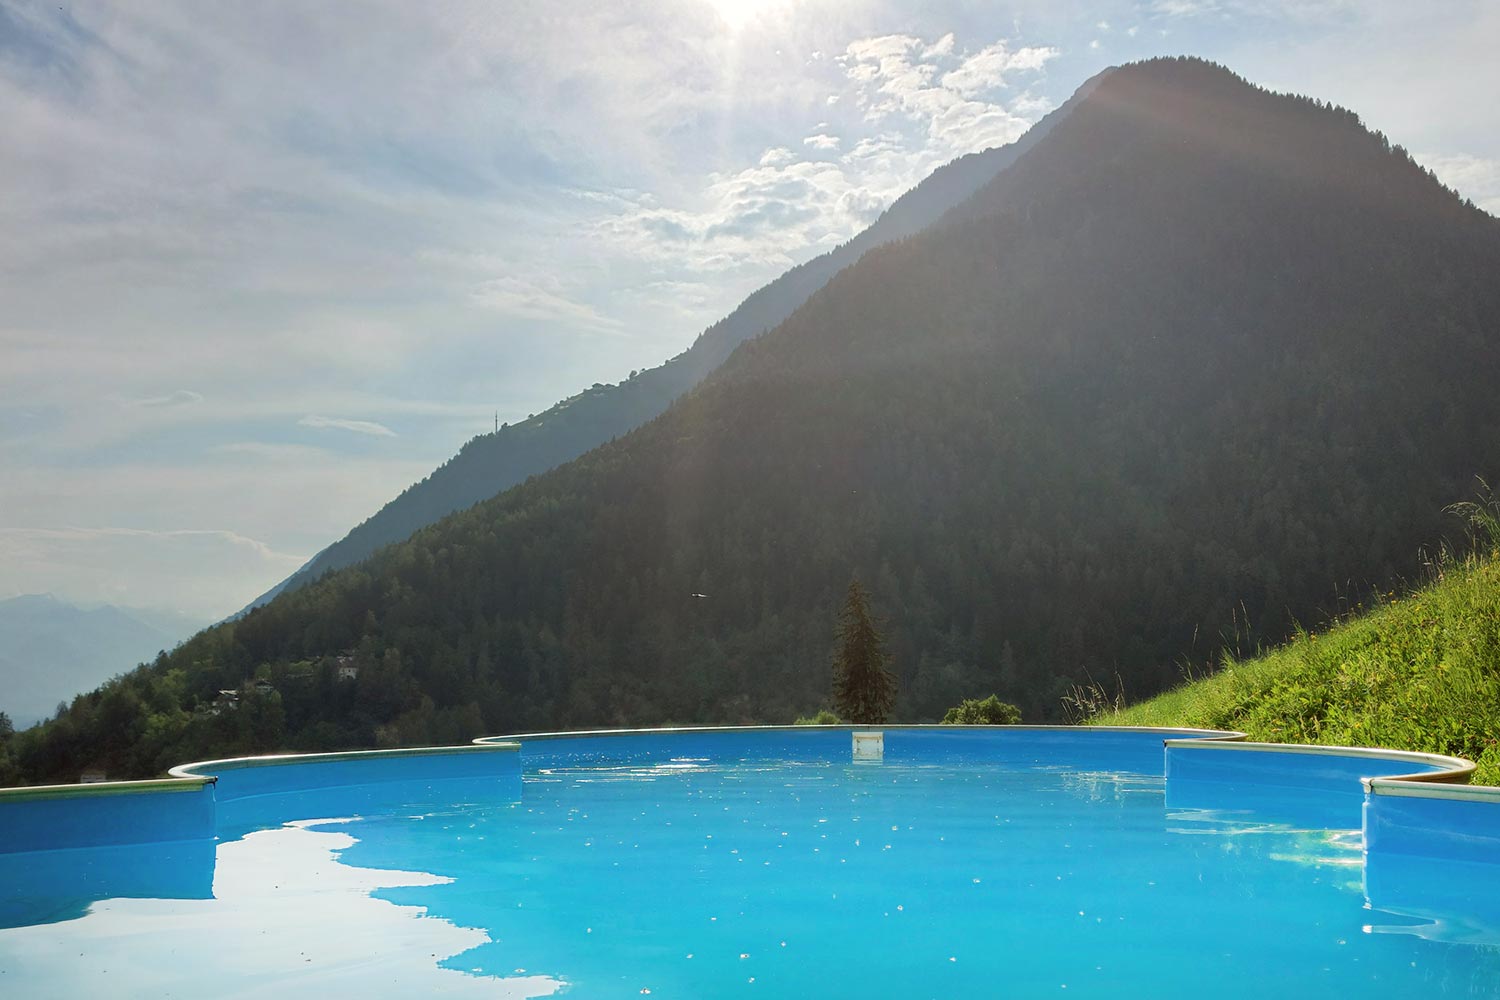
(1418, 671)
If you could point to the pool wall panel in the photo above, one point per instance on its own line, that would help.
(60, 817)
(1457, 824)
(258, 792)
(1313, 786)
(251, 776)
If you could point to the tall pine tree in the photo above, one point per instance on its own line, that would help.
(864, 690)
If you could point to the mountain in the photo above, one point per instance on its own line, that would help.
(1205, 360)
(492, 463)
(53, 650)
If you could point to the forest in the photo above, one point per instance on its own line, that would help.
(1204, 364)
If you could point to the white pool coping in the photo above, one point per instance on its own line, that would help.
(196, 769)
(1186, 733)
(1448, 778)
(29, 793)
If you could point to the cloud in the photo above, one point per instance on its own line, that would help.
(1300, 11)
(900, 75)
(273, 452)
(1477, 177)
(205, 533)
(87, 535)
(182, 397)
(987, 68)
(1185, 8)
(927, 102)
(357, 426)
(197, 570)
(542, 298)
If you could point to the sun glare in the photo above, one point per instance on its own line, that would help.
(736, 14)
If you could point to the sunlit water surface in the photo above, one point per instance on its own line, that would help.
(697, 879)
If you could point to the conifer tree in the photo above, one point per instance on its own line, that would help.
(864, 690)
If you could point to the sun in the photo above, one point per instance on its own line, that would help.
(736, 14)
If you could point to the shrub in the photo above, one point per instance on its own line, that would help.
(989, 712)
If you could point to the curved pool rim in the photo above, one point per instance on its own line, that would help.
(1187, 733)
(1453, 772)
(1407, 801)
(209, 770)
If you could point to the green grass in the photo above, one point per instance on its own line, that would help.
(1419, 671)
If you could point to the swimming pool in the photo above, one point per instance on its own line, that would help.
(959, 862)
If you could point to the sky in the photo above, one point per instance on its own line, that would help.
(263, 265)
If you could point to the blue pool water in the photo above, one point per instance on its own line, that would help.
(756, 866)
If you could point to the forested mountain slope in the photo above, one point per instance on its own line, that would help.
(492, 463)
(1205, 353)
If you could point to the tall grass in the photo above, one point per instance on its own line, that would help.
(1418, 671)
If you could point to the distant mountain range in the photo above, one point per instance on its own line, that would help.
(51, 650)
(493, 463)
(1201, 363)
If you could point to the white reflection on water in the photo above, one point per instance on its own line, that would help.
(287, 920)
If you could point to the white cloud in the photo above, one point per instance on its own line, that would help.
(203, 533)
(274, 452)
(357, 426)
(539, 298)
(1184, 8)
(926, 102)
(903, 76)
(942, 47)
(1298, 11)
(987, 68)
(1477, 177)
(182, 397)
(199, 571)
